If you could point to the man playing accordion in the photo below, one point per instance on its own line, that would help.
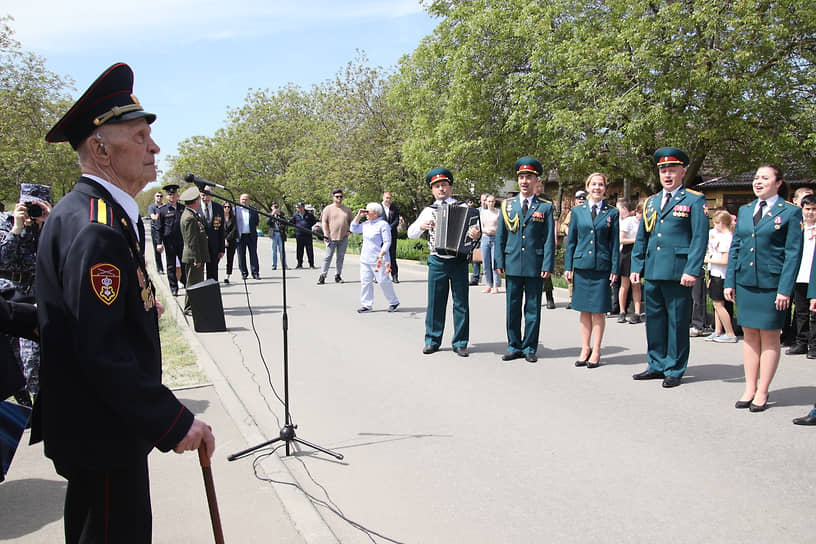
(444, 270)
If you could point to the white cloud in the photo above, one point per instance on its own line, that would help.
(59, 25)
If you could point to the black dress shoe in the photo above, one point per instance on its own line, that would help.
(255, 277)
(648, 375)
(510, 355)
(742, 404)
(580, 363)
(363, 310)
(671, 381)
(461, 352)
(798, 349)
(530, 357)
(430, 348)
(805, 420)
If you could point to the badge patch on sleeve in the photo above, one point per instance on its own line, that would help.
(105, 280)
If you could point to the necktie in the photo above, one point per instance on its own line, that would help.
(665, 201)
(524, 208)
(207, 214)
(760, 211)
(594, 211)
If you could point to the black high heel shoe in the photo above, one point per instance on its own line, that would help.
(741, 404)
(585, 362)
(759, 407)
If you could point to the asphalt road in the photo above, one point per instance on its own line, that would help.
(442, 449)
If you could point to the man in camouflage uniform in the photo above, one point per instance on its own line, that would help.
(19, 235)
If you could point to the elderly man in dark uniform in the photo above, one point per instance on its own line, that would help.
(525, 250)
(196, 252)
(153, 212)
(213, 215)
(668, 252)
(102, 407)
(170, 241)
(392, 217)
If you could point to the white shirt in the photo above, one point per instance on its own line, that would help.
(629, 228)
(123, 199)
(807, 254)
(718, 245)
(243, 221)
(769, 204)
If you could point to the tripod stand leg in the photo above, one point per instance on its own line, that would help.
(336, 455)
(242, 453)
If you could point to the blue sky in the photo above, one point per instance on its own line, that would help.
(194, 59)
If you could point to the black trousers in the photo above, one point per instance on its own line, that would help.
(171, 252)
(804, 320)
(304, 244)
(392, 253)
(107, 506)
(698, 297)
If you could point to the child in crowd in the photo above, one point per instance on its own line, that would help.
(719, 242)
(629, 224)
(805, 332)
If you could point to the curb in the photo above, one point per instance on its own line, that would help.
(300, 509)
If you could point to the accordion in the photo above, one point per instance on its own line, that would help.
(452, 225)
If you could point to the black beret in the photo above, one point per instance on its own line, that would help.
(108, 100)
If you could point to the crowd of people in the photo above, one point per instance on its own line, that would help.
(94, 353)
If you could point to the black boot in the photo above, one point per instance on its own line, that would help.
(550, 301)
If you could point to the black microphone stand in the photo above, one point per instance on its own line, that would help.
(287, 433)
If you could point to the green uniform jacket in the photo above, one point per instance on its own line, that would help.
(676, 240)
(194, 233)
(767, 255)
(525, 246)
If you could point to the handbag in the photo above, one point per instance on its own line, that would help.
(477, 255)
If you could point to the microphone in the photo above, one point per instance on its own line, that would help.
(200, 182)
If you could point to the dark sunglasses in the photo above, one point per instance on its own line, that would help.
(338, 196)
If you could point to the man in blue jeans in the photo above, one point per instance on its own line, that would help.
(277, 237)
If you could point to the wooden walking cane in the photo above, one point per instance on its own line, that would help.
(209, 486)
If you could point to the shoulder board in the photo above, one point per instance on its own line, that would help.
(100, 212)
(544, 198)
(791, 203)
(692, 191)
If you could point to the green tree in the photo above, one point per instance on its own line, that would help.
(32, 99)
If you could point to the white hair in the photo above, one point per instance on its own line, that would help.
(375, 207)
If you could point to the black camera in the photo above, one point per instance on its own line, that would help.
(33, 209)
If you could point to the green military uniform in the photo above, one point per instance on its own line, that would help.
(525, 247)
(763, 260)
(670, 242)
(196, 247)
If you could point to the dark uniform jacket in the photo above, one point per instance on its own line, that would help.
(525, 246)
(101, 403)
(215, 229)
(671, 242)
(194, 234)
(767, 255)
(169, 225)
(306, 221)
(16, 319)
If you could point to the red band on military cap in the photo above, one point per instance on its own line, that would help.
(439, 177)
(669, 160)
(528, 168)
